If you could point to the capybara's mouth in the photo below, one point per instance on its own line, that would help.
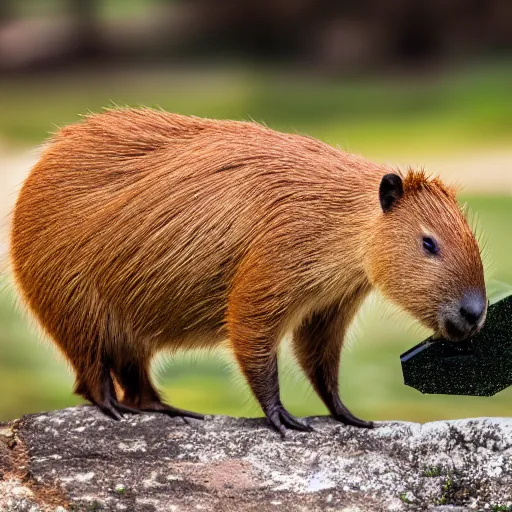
(452, 332)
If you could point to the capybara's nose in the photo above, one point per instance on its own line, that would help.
(472, 307)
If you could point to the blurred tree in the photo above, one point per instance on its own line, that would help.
(332, 35)
(87, 40)
(6, 11)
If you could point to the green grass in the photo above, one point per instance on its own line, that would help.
(34, 379)
(406, 114)
(107, 9)
(431, 472)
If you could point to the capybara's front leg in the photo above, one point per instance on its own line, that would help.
(317, 344)
(254, 318)
(258, 362)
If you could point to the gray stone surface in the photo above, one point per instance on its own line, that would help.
(77, 459)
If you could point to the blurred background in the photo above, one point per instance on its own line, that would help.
(424, 83)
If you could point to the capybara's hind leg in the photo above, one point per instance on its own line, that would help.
(96, 386)
(140, 394)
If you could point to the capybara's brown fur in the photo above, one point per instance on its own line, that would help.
(140, 230)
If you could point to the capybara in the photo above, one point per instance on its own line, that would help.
(140, 230)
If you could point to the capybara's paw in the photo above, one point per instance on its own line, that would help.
(280, 419)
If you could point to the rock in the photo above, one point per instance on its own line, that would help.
(77, 459)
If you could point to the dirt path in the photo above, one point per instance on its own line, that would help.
(478, 172)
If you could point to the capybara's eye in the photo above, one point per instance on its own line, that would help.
(430, 245)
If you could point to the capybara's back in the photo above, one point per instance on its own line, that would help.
(140, 230)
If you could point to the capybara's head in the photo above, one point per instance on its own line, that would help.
(424, 256)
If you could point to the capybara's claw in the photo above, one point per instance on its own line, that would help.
(281, 420)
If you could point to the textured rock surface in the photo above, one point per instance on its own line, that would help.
(77, 459)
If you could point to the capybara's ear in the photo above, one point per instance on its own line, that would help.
(390, 191)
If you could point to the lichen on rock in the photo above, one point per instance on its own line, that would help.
(77, 459)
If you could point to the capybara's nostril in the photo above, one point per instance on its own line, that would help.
(472, 307)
